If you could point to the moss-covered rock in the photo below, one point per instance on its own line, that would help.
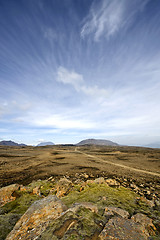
(20, 205)
(45, 186)
(104, 195)
(82, 220)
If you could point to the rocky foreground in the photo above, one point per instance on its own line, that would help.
(81, 207)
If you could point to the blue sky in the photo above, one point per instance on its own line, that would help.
(76, 69)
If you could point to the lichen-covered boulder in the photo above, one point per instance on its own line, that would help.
(120, 228)
(88, 205)
(7, 193)
(116, 211)
(36, 218)
(145, 221)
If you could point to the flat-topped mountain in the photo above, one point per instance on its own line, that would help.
(11, 143)
(97, 142)
(45, 144)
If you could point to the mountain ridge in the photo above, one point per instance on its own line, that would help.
(11, 143)
(92, 141)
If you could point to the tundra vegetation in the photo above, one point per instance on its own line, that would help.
(92, 195)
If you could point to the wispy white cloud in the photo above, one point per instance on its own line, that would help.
(49, 34)
(70, 77)
(107, 17)
(62, 122)
(56, 122)
(77, 81)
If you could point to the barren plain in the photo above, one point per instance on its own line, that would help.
(25, 164)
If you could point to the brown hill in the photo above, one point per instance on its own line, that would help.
(97, 142)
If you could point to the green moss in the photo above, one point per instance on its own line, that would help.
(20, 205)
(103, 195)
(45, 186)
(88, 221)
(155, 237)
(7, 223)
(47, 235)
(74, 237)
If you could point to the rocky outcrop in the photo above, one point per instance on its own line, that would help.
(7, 193)
(120, 227)
(81, 221)
(97, 209)
(48, 219)
(37, 218)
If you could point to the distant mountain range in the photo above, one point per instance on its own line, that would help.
(45, 144)
(102, 142)
(11, 143)
(97, 142)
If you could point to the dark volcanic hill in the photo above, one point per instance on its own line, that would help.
(11, 143)
(45, 144)
(97, 142)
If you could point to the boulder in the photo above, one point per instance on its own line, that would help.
(86, 205)
(7, 193)
(23, 188)
(157, 203)
(90, 181)
(116, 211)
(85, 175)
(37, 218)
(112, 182)
(145, 222)
(120, 228)
(63, 187)
(99, 180)
(37, 191)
